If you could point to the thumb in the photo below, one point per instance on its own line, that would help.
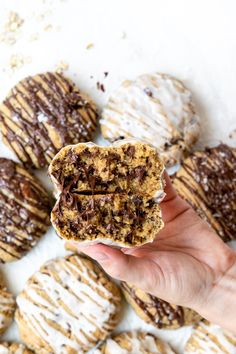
(141, 272)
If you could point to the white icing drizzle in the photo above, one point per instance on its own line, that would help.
(209, 338)
(154, 108)
(75, 302)
(137, 345)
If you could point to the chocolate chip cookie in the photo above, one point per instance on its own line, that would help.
(43, 113)
(24, 210)
(207, 181)
(108, 194)
(157, 312)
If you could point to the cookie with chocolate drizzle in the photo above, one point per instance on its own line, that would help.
(207, 181)
(7, 308)
(157, 312)
(108, 194)
(43, 113)
(24, 210)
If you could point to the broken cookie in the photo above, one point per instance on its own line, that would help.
(108, 194)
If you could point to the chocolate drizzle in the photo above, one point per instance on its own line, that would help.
(159, 312)
(210, 176)
(24, 210)
(43, 113)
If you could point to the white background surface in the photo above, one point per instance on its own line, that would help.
(193, 40)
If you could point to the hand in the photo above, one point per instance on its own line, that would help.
(187, 264)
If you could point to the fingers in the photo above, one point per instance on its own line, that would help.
(137, 271)
(169, 189)
(173, 205)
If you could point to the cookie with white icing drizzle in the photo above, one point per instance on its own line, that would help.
(24, 210)
(7, 308)
(209, 338)
(207, 181)
(67, 307)
(156, 108)
(108, 194)
(14, 348)
(134, 343)
(43, 113)
(157, 312)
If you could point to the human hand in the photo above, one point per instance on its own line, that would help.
(187, 264)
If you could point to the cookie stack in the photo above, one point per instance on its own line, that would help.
(104, 194)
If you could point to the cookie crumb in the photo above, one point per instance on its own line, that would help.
(11, 28)
(17, 61)
(48, 28)
(90, 46)
(61, 67)
(232, 135)
(124, 35)
(100, 86)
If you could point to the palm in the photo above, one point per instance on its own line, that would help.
(179, 264)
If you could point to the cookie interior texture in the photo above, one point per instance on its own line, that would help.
(207, 180)
(108, 194)
(156, 108)
(210, 338)
(157, 312)
(14, 348)
(43, 113)
(24, 210)
(67, 307)
(134, 342)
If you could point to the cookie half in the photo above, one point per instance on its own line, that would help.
(209, 338)
(67, 307)
(43, 113)
(24, 210)
(108, 194)
(157, 312)
(207, 181)
(134, 342)
(156, 108)
(14, 348)
(7, 309)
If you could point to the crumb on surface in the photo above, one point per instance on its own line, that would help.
(11, 29)
(90, 46)
(62, 66)
(100, 86)
(17, 61)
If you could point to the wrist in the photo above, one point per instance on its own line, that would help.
(218, 305)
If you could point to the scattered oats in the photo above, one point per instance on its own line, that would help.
(11, 29)
(48, 28)
(124, 35)
(34, 37)
(61, 67)
(90, 46)
(17, 61)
